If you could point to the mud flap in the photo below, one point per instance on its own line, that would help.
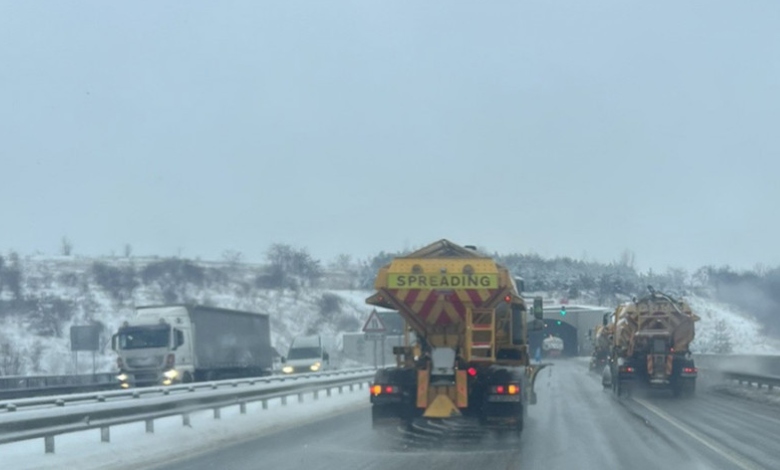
(441, 407)
(532, 372)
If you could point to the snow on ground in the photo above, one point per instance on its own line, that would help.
(744, 332)
(132, 448)
(761, 395)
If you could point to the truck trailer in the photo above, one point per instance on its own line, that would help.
(650, 345)
(465, 353)
(169, 344)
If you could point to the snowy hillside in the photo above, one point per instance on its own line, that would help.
(722, 326)
(58, 292)
(41, 297)
(292, 314)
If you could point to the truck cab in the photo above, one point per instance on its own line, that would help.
(155, 348)
(306, 354)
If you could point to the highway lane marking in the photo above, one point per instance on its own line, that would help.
(732, 457)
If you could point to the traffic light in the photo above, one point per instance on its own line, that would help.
(563, 311)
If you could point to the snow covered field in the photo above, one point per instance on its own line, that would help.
(132, 448)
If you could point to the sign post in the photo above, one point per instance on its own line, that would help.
(375, 330)
(85, 338)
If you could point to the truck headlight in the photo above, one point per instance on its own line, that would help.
(287, 369)
(171, 374)
(315, 367)
(121, 377)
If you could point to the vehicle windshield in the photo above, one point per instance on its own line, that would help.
(143, 338)
(304, 353)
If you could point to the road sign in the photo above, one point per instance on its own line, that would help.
(374, 324)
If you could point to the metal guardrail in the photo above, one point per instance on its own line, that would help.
(751, 379)
(20, 386)
(50, 427)
(19, 404)
(37, 386)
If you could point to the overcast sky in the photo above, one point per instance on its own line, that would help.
(568, 127)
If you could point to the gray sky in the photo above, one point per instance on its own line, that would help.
(561, 127)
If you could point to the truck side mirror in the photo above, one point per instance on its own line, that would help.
(604, 320)
(282, 359)
(538, 308)
(178, 339)
(114, 342)
(326, 357)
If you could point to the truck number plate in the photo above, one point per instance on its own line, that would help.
(504, 398)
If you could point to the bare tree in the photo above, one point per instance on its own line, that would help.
(232, 257)
(11, 359)
(66, 247)
(628, 258)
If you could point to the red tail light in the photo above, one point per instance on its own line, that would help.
(689, 370)
(170, 360)
(471, 371)
(511, 389)
(377, 389)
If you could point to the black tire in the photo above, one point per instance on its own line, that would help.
(385, 416)
(519, 426)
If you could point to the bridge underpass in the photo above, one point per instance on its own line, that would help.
(563, 330)
(574, 328)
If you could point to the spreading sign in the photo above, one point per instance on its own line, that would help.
(446, 281)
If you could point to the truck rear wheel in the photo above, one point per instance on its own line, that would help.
(684, 388)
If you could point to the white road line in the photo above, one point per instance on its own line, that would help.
(732, 457)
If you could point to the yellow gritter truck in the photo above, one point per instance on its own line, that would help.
(466, 339)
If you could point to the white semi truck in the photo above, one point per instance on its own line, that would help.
(169, 344)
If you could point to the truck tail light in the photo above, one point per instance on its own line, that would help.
(689, 370)
(510, 389)
(378, 389)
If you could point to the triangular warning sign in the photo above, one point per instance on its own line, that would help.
(374, 324)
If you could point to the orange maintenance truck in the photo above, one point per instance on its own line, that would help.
(465, 349)
(650, 345)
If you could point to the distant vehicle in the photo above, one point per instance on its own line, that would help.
(309, 354)
(650, 343)
(552, 346)
(170, 344)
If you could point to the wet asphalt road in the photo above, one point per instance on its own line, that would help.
(574, 425)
